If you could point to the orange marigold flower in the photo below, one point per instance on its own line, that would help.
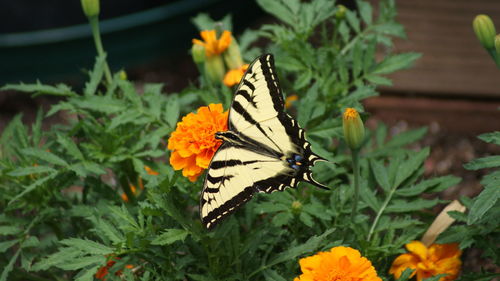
(289, 100)
(213, 46)
(339, 264)
(428, 262)
(193, 142)
(150, 171)
(233, 76)
(104, 270)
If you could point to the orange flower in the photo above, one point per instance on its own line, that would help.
(428, 262)
(150, 171)
(233, 76)
(133, 189)
(290, 99)
(213, 46)
(339, 264)
(193, 142)
(103, 271)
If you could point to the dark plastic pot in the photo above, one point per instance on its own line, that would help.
(60, 54)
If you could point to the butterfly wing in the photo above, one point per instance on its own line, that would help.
(267, 138)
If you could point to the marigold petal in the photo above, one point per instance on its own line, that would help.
(150, 171)
(418, 248)
(340, 263)
(401, 263)
(177, 161)
(203, 159)
(224, 41)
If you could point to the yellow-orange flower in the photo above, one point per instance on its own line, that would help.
(289, 100)
(234, 76)
(428, 262)
(339, 264)
(150, 171)
(213, 46)
(103, 270)
(193, 142)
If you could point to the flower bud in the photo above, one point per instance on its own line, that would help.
(296, 207)
(485, 31)
(232, 56)
(198, 53)
(497, 43)
(90, 7)
(340, 14)
(214, 69)
(122, 75)
(354, 130)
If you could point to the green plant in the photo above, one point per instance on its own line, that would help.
(64, 217)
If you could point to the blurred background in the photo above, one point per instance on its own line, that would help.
(454, 89)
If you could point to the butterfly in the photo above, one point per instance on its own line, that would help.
(264, 149)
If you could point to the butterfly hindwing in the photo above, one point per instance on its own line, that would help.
(264, 150)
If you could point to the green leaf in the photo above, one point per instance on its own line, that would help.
(435, 277)
(172, 110)
(279, 9)
(103, 104)
(390, 28)
(95, 75)
(82, 262)
(402, 206)
(30, 242)
(396, 62)
(39, 88)
(357, 59)
(405, 275)
(306, 219)
(408, 167)
(493, 137)
(62, 256)
(33, 170)
(170, 236)
(406, 137)
(282, 218)
(70, 146)
(380, 173)
(368, 196)
(303, 79)
(359, 94)
(308, 247)
(430, 185)
(481, 163)
(5, 245)
(87, 274)
(34, 185)
(484, 201)
(87, 246)
(108, 230)
(129, 116)
(353, 20)
(379, 80)
(365, 10)
(45, 156)
(270, 207)
(124, 215)
(272, 275)
(399, 224)
(8, 268)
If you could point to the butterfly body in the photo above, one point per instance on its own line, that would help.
(264, 149)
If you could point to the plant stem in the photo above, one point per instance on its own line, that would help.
(380, 212)
(94, 24)
(355, 164)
